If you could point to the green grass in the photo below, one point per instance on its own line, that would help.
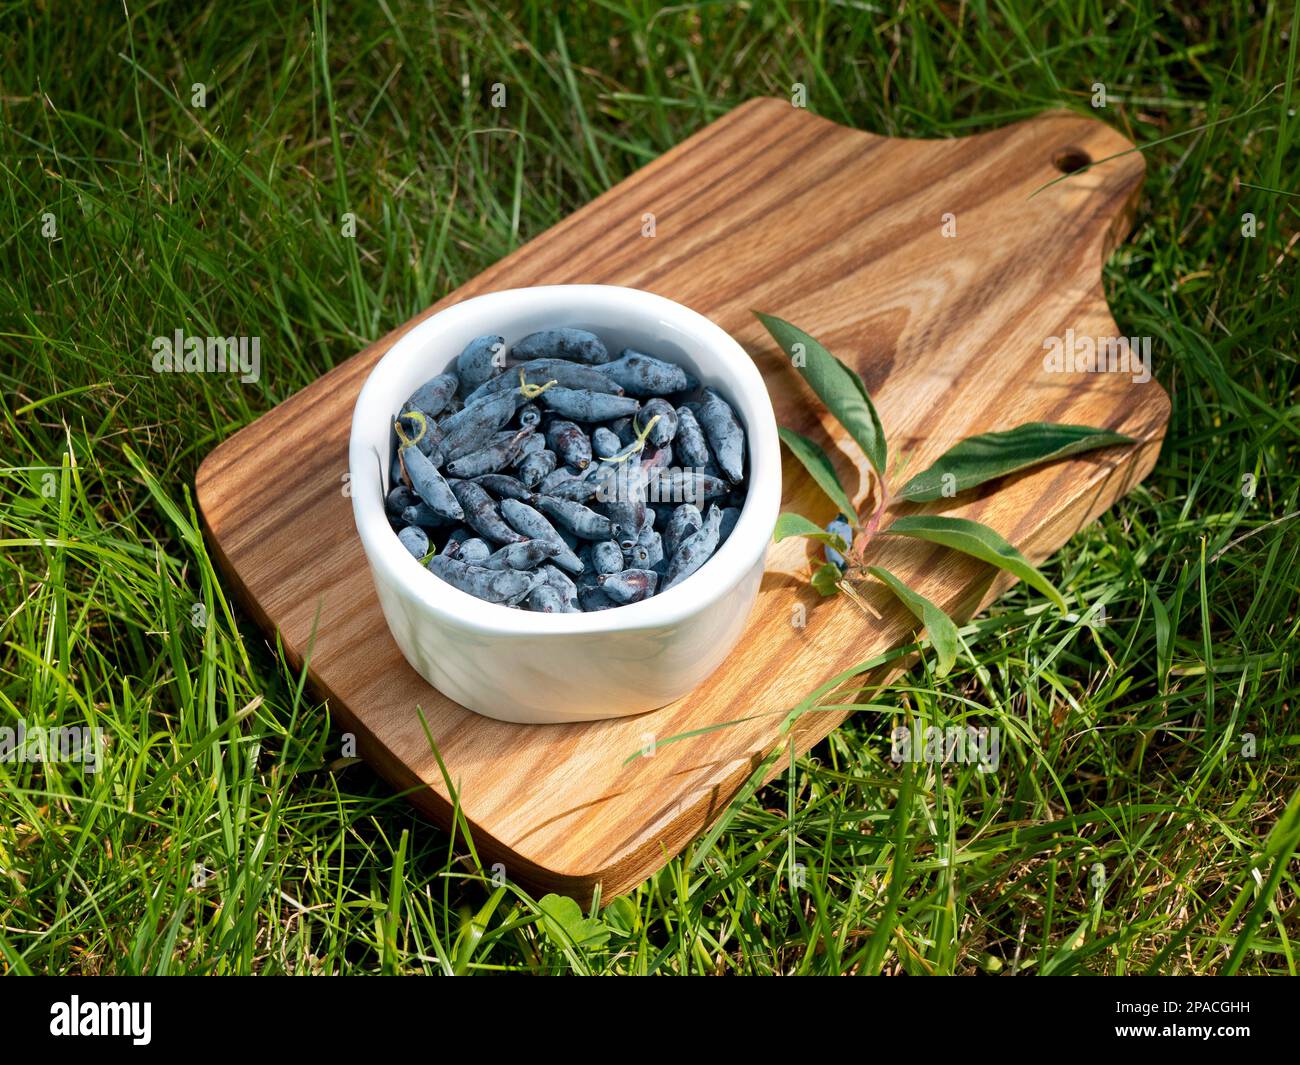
(1145, 815)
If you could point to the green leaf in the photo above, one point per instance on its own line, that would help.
(942, 629)
(982, 458)
(826, 579)
(979, 541)
(471, 933)
(622, 915)
(838, 386)
(797, 525)
(565, 926)
(1164, 656)
(819, 466)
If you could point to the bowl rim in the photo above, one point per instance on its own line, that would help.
(746, 545)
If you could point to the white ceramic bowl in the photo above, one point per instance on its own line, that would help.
(517, 665)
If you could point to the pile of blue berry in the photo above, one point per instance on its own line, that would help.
(556, 477)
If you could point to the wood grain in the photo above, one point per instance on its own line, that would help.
(839, 231)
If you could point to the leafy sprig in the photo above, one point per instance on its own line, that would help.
(968, 464)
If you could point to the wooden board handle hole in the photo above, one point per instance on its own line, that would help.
(1069, 160)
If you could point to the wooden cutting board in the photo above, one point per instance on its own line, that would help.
(843, 233)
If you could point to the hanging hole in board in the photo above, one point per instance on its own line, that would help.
(1071, 160)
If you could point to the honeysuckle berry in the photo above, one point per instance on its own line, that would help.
(422, 433)
(432, 397)
(533, 525)
(648, 551)
(546, 600)
(564, 483)
(560, 581)
(695, 550)
(565, 343)
(629, 586)
(494, 585)
(534, 468)
(475, 424)
(605, 443)
(503, 451)
(840, 527)
(482, 359)
(569, 442)
(527, 555)
(539, 371)
(473, 550)
(606, 557)
(583, 405)
(691, 447)
(580, 520)
(482, 515)
(429, 484)
(726, 437)
(663, 415)
(686, 519)
(398, 499)
(623, 494)
(688, 486)
(425, 516)
(415, 540)
(503, 486)
(644, 375)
